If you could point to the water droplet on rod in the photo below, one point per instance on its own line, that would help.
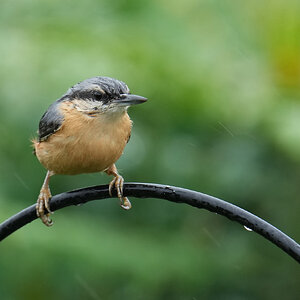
(247, 228)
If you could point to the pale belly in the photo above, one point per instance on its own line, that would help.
(90, 146)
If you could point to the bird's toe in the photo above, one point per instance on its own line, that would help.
(42, 205)
(125, 203)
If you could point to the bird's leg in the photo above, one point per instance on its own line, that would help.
(118, 183)
(42, 203)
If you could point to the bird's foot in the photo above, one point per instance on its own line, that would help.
(42, 205)
(118, 183)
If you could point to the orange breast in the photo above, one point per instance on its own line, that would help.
(84, 144)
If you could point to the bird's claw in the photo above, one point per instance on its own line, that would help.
(125, 203)
(118, 183)
(42, 205)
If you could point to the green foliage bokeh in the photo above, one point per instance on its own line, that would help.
(223, 117)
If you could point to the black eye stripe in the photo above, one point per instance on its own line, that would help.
(92, 95)
(87, 89)
(98, 95)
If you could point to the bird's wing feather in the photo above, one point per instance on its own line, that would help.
(50, 122)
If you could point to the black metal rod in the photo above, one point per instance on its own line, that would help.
(170, 193)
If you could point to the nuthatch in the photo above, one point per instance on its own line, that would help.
(85, 131)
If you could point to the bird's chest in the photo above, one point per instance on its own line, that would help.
(86, 144)
(98, 137)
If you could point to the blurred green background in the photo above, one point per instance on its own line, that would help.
(223, 118)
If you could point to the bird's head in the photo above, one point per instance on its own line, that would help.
(102, 94)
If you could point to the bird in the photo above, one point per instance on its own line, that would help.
(85, 131)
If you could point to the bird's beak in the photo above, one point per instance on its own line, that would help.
(129, 99)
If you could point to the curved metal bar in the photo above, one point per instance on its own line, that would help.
(170, 193)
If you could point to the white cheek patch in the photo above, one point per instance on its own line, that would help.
(88, 106)
(94, 108)
(116, 109)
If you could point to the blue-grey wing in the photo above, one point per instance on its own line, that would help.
(50, 122)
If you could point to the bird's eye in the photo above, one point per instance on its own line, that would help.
(98, 96)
